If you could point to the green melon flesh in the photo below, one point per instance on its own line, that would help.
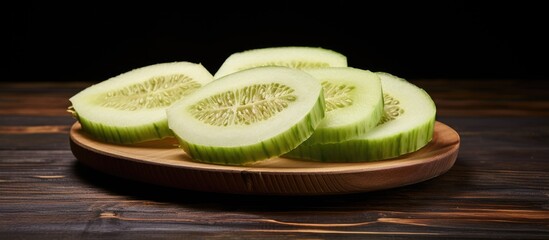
(407, 126)
(354, 103)
(298, 57)
(131, 107)
(248, 116)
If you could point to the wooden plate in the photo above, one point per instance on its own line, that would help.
(163, 163)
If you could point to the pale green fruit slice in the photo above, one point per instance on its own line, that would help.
(131, 107)
(299, 57)
(248, 116)
(354, 103)
(407, 126)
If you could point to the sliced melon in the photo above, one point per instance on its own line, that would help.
(291, 56)
(131, 107)
(354, 103)
(407, 126)
(248, 116)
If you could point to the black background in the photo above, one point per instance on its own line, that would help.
(90, 41)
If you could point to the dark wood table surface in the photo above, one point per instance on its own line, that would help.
(497, 188)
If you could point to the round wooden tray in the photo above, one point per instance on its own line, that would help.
(163, 163)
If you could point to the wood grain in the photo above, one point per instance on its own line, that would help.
(498, 187)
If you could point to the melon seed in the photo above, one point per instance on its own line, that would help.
(157, 92)
(391, 107)
(244, 106)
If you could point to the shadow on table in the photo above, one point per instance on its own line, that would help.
(441, 188)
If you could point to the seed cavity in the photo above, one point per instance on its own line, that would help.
(292, 64)
(157, 92)
(337, 95)
(392, 109)
(244, 106)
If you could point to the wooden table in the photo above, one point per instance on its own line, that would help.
(497, 188)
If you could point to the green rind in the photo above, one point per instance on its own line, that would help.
(367, 148)
(335, 135)
(369, 118)
(126, 134)
(276, 146)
